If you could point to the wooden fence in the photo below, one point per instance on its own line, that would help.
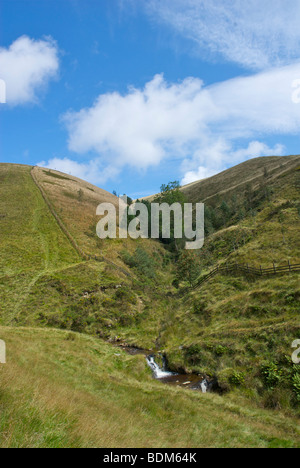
(248, 270)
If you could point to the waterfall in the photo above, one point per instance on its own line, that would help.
(191, 381)
(157, 371)
(204, 386)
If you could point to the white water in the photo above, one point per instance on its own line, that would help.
(160, 374)
(157, 371)
(204, 386)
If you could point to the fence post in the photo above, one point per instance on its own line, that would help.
(261, 272)
(274, 267)
(289, 266)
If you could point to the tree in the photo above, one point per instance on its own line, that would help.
(188, 267)
(209, 220)
(171, 194)
(141, 261)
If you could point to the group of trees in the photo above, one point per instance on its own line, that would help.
(169, 194)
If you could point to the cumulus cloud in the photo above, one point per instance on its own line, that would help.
(141, 127)
(204, 128)
(254, 34)
(26, 66)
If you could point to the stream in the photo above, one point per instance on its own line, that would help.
(190, 381)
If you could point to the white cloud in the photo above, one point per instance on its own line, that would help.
(26, 67)
(205, 128)
(253, 33)
(201, 173)
(141, 127)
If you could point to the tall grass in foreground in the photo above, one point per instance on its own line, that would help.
(61, 389)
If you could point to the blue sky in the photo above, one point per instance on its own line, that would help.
(130, 94)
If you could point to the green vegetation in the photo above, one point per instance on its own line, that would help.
(142, 262)
(62, 389)
(188, 267)
(70, 388)
(170, 194)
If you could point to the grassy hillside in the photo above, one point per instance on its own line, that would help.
(43, 279)
(236, 179)
(235, 328)
(62, 389)
(31, 243)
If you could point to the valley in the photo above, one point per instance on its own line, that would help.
(68, 298)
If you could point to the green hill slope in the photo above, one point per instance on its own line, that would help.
(70, 390)
(45, 281)
(236, 179)
(234, 326)
(31, 243)
(237, 329)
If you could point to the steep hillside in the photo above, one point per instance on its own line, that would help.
(236, 179)
(31, 243)
(45, 279)
(75, 202)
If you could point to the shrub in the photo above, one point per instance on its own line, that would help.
(141, 261)
(193, 354)
(237, 378)
(271, 374)
(223, 377)
(221, 350)
(296, 386)
(125, 295)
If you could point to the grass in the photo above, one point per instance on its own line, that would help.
(44, 282)
(65, 388)
(62, 389)
(234, 324)
(31, 242)
(234, 180)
